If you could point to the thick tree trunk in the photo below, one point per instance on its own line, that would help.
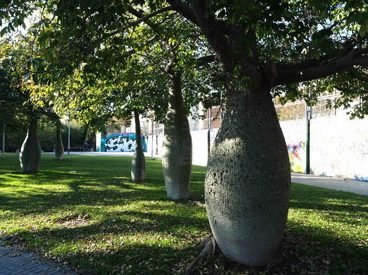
(59, 147)
(247, 182)
(138, 169)
(30, 153)
(177, 147)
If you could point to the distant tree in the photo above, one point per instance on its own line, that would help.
(58, 141)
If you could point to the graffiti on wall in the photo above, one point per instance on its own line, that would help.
(297, 156)
(121, 143)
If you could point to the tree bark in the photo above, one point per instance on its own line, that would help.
(248, 173)
(59, 147)
(177, 146)
(3, 141)
(30, 153)
(247, 181)
(138, 169)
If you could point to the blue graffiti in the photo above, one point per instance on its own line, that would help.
(121, 143)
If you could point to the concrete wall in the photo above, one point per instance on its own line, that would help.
(199, 141)
(339, 146)
(157, 145)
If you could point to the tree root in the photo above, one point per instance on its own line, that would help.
(208, 249)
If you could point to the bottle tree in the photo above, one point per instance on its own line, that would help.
(174, 62)
(30, 152)
(18, 63)
(177, 146)
(138, 170)
(262, 46)
(25, 69)
(98, 93)
(159, 74)
(59, 147)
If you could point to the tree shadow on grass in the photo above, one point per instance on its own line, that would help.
(119, 223)
(135, 259)
(338, 206)
(323, 249)
(33, 197)
(81, 192)
(306, 249)
(127, 241)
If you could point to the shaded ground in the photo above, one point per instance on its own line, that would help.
(84, 211)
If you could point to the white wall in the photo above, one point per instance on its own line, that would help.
(339, 146)
(157, 145)
(98, 141)
(199, 141)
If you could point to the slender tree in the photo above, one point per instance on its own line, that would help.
(59, 147)
(138, 170)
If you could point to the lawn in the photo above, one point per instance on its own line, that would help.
(85, 212)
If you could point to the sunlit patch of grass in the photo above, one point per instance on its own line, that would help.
(86, 211)
(330, 226)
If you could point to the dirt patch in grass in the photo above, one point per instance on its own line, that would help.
(74, 220)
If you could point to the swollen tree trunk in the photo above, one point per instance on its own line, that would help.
(59, 147)
(138, 169)
(247, 182)
(177, 147)
(30, 153)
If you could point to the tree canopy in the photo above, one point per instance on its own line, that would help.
(283, 42)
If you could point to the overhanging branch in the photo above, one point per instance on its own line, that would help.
(204, 60)
(141, 18)
(313, 69)
(362, 61)
(184, 10)
(145, 18)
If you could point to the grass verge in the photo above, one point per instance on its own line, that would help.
(85, 211)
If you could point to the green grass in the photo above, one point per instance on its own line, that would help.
(86, 212)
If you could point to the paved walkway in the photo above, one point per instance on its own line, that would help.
(347, 185)
(14, 261)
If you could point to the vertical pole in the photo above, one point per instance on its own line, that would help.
(152, 138)
(156, 144)
(308, 116)
(3, 142)
(69, 136)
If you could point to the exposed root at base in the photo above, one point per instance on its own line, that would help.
(208, 249)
